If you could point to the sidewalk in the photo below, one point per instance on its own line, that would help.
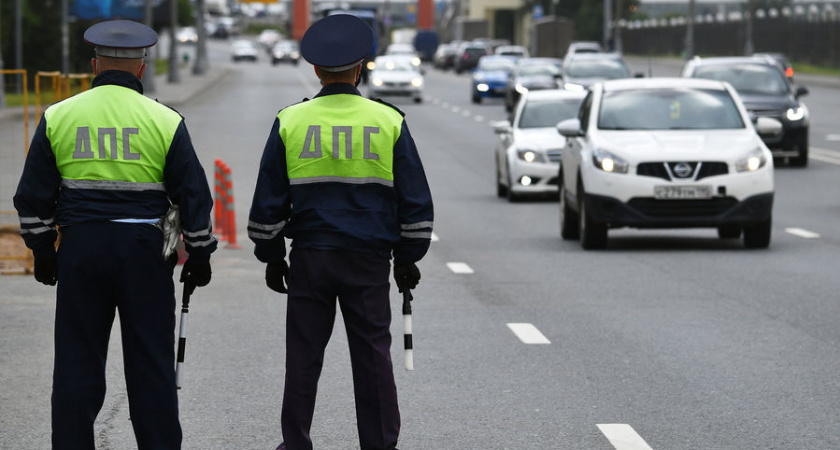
(165, 92)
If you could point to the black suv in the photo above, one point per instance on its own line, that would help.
(766, 92)
(468, 54)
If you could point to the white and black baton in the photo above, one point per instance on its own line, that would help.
(409, 343)
(182, 340)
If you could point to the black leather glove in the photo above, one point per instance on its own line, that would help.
(407, 276)
(46, 269)
(196, 273)
(275, 276)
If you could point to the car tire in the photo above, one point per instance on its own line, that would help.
(801, 160)
(511, 196)
(501, 189)
(758, 234)
(593, 235)
(729, 232)
(569, 229)
(476, 98)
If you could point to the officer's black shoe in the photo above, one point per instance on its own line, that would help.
(282, 446)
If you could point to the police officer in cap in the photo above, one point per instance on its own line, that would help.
(341, 177)
(105, 166)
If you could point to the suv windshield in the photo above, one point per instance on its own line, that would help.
(753, 78)
(545, 114)
(539, 69)
(495, 64)
(609, 69)
(668, 109)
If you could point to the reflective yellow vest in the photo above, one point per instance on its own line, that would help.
(111, 137)
(340, 138)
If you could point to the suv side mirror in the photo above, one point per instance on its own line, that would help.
(801, 91)
(501, 127)
(768, 126)
(570, 128)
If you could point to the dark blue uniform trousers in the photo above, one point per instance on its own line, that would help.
(360, 282)
(105, 267)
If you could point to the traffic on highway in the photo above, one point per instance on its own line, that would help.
(629, 253)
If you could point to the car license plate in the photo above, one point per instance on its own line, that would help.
(682, 192)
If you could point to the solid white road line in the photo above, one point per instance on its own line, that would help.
(802, 233)
(528, 333)
(821, 154)
(459, 267)
(623, 436)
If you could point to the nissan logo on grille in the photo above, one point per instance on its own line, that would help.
(682, 169)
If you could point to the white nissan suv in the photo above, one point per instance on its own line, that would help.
(666, 153)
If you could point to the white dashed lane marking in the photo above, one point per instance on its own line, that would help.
(459, 267)
(832, 137)
(623, 436)
(528, 333)
(802, 233)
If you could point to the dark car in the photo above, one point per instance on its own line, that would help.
(766, 92)
(582, 70)
(532, 74)
(468, 54)
(285, 51)
(490, 77)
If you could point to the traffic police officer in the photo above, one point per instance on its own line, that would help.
(341, 177)
(104, 166)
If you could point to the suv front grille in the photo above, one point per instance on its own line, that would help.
(666, 170)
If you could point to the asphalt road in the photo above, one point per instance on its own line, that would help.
(666, 340)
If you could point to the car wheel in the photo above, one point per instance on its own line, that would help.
(568, 218)
(511, 196)
(593, 236)
(801, 160)
(501, 189)
(729, 232)
(758, 234)
(476, 98)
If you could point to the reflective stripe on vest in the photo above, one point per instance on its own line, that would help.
(111, 133)
(341, 138)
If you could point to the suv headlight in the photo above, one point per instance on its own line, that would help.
(377, 82)
(529, 155)
(609, 162)
(797, 113)
(751, 162)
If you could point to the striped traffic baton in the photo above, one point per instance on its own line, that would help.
(409, 343)
(182, 339)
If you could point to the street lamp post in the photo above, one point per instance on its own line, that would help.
(174, 75)
(201, 63)
(607, 24)
(149, 77)
(689, 32)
